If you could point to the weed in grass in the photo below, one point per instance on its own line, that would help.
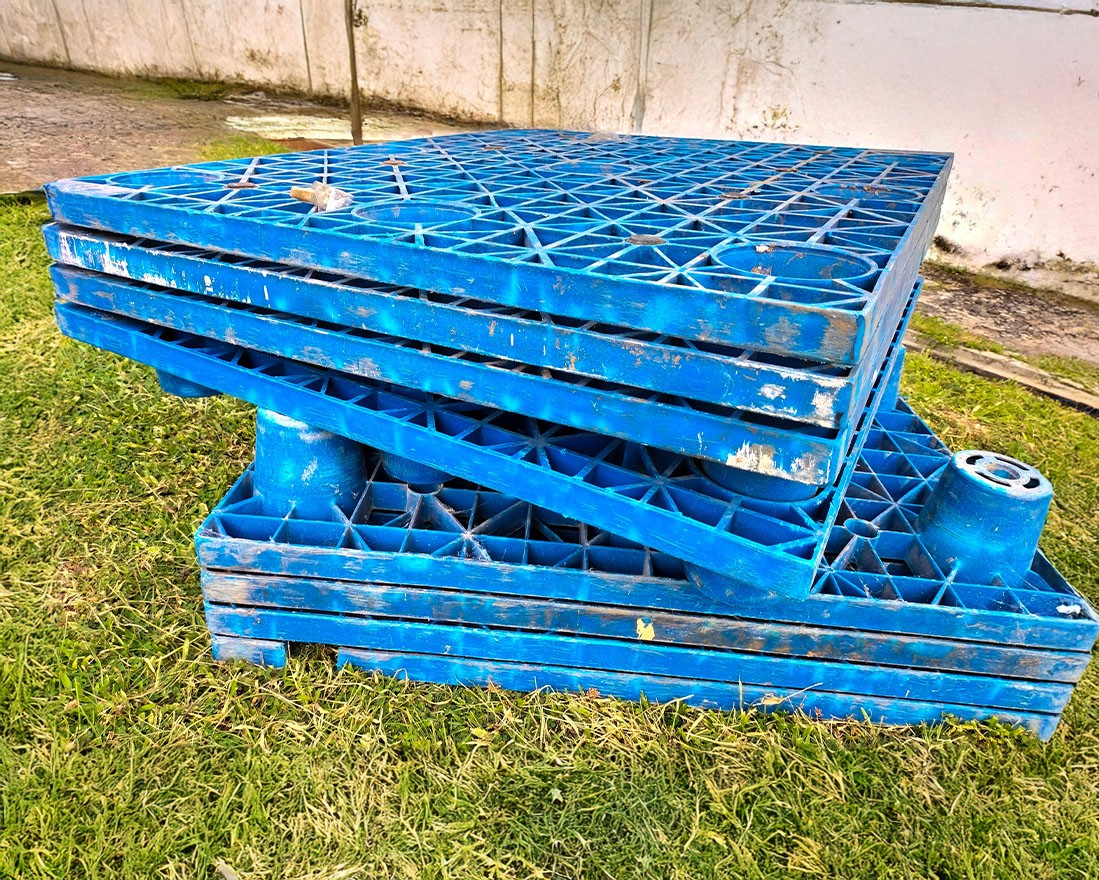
(183, 89)
(126, 752)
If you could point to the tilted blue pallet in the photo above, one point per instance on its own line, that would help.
(467, 585)
(827, 395)
(783, 450)
(794, 250)
(645, 494)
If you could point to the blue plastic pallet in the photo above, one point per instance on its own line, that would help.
(742, 679)
(467, 585)
(644, 494)
(816, 703)
(398, 535)
(791, 452)
(795, 250)
(827, 395)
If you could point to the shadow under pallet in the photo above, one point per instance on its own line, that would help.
(803, 251)
(469, 586)
(645, 494)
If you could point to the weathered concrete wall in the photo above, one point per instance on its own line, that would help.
(1013, 91)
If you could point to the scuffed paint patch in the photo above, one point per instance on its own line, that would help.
(772, 392)
(824, 406)
(645, 629)
(305, 433)
(759, 458)
(309, 470)
(104, 259)
(782, 333)
(754, 457)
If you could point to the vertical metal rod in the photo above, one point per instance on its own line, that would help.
(356, 106)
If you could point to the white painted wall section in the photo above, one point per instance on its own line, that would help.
(1011, 88)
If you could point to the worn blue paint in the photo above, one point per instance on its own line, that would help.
(258, 652)
(518, 676)
(305, 471)
(445, 540)
(777, 454)
(624, 617)
(827, 395)
(638, 657)
(796, 250)
(643, 494)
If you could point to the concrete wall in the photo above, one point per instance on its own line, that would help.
(1012, 89)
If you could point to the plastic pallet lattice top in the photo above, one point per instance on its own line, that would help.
(773, 247)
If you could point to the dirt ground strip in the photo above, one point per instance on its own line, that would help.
(1024, 320)
(64, 124)
(60, 123)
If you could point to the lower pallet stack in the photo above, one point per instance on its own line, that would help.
(464, 585)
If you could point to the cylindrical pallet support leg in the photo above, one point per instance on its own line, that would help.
(984, 517)
(183, 387)
(303, 466)
(765, 487)
(419, 477)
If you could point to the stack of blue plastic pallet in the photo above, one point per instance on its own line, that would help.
(583, 411)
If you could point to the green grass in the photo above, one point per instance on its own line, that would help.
(25, 287)
(126, 752)
(951, 335)
(1073, 369)
(238, 146)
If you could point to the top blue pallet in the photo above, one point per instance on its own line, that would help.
(803, 251)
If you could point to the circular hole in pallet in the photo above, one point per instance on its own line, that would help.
(862, 528)
(165, 177)
(803, 263)
(410, 214)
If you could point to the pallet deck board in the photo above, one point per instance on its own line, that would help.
(677, 236)
(816, 703)
(720, 629)
(826, 395)
(808, 454)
